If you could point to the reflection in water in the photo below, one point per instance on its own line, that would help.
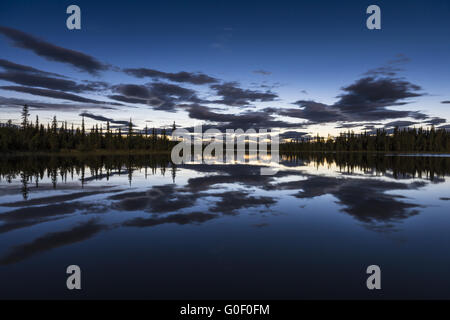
(68, 200)
(53, 240)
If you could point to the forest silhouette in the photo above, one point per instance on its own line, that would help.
(37, 137)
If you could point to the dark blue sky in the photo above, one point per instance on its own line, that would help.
(309, 50)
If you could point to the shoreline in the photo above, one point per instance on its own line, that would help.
(163, 152)
(85, 153)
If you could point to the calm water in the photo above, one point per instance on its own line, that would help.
(140, 227)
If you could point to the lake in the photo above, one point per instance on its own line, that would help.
(141, 227)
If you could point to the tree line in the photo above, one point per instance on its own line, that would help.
(400, 140)
(52, 137)
(34, 137)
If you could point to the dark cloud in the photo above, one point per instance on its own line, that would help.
(105, 119)
(399, 59)
(42, 81)
(53, 240)
(133, 91)
(15, 67)
(178, 218)
(170, 92)
(182, 76)
(52, 52)
(404, 123)
(15, 225)
(260, 225)
(349, 125)
(158, 199)
(391, 68)
(400, 124)
(372, 94)
(251, 119)
(127, 99)
(18, 103)
(232, 201)
(386, 71)
(40, 212)
(233, 95)
(159, 95)
(312, 111)
(54, 94)
(365, 100)
(170, 198)
(370, 201)
(224, 174)
(262, 72)
(293, 134)
(435, 121)
(373, 204)
(50, 200)
(445, 102)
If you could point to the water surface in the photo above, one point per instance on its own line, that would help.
(141, 227)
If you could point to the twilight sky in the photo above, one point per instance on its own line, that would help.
(304, 66)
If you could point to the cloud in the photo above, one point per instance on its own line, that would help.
(372, 94)
(445, 102)
(370, 201)
(127, 99)
(178, 218)
(262, 72)
(18, 103)
(313, 111)
(50, 200)
(233, 95)
(133, 90)
(435, 121)
(400, 124)
(349, 125)
(399, 59)
(42, 81)
(366, 99)
(41, 210)
(391, 68)
(231, 201)
(53, 240)
(293, 134)
(54, 94)
(158, 199)
(52, 52)
(387, 71)
(182, 76)
(15, 67)
(219, 174)
(105, 119)
(159, 95)
(169, 198)
(251, 119)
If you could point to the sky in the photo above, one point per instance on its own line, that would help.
(303, 67)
